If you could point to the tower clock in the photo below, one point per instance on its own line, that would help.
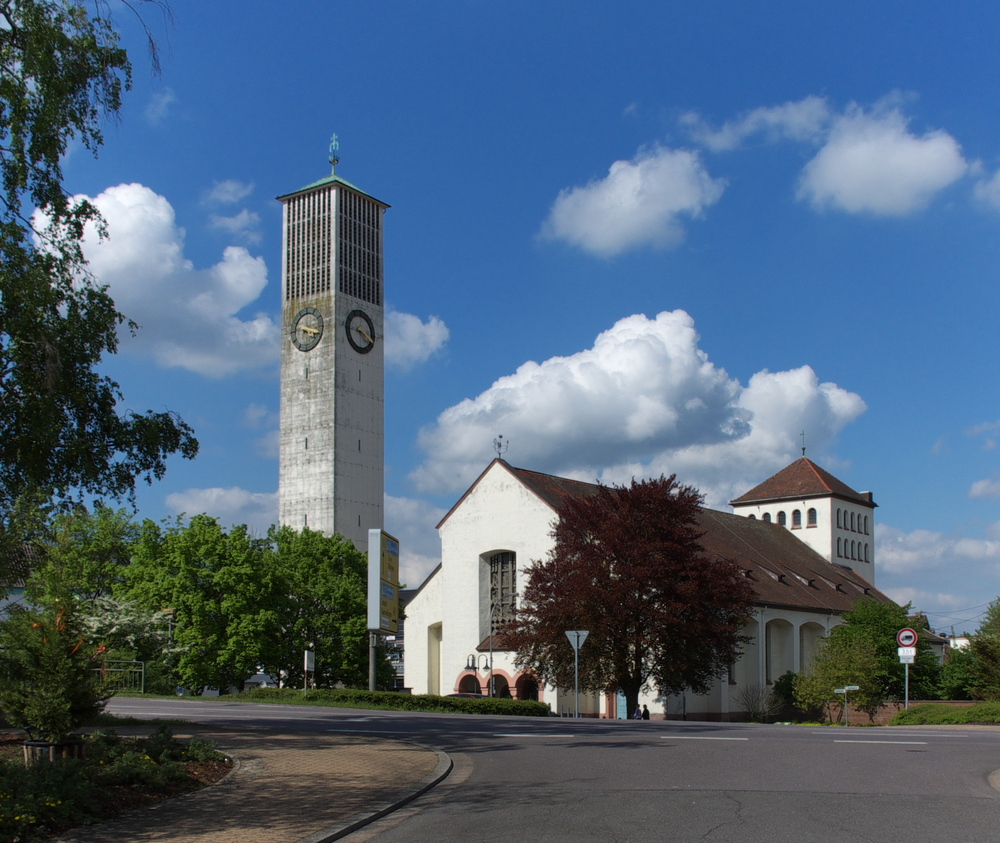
(331, 449)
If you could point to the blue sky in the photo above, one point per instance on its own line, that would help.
(632, 238)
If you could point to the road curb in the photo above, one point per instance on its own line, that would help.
(336, 832)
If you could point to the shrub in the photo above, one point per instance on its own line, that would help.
(50, 687)
(935, 714)
(353, 697)
(38, 800)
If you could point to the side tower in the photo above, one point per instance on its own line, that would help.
(824, 512)
(332, 359)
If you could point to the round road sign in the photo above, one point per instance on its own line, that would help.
(906, 637)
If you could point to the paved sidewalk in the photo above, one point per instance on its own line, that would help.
(288, 788)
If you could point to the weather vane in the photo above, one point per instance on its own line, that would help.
(803, 435)
(334, 156)
(500, 446)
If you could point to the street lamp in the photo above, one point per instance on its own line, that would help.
(493, 610)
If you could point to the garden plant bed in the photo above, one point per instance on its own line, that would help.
(117, 775)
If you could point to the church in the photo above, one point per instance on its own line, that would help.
(802, 537)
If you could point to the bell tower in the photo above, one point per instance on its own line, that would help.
(331, 453)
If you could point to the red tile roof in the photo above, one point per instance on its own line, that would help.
(802, 479)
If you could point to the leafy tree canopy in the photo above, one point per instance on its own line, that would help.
(627, 566)
(863, 651)
(62, 433)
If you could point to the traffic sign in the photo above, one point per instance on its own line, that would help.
(907, 659)
(907, 637)
(577, 637)
(907, 651)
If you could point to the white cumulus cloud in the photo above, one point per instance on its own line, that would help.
(987, 190)
(413, 522)
(409, 341)
(641, 202)
(989, 488)
(872, 163)
(802, 120)
(228, 192)
(245, 225)
(258, 510)
(644, 399)
(189, 318)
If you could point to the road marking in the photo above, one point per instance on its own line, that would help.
(533, 735)
(698, 738)
(915, 734)
(375, 731)
(904, 743)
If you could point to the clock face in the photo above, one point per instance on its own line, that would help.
(360, 331)
(307, 330)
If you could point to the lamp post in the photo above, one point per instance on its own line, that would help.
(493, 610)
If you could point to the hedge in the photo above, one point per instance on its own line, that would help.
(932, 714)
(356, 698)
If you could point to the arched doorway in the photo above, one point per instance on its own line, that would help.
(469, 684)
(527, 687)
(501, 687)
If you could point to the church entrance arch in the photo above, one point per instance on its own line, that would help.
(527, 687)
(501, 688)
(469, 684)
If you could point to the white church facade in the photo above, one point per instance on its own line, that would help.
(504, 522)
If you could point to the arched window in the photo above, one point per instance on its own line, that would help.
(796, 519)
(839, 548)
(853, 551)
(866, 525)
(767, 517)
(866, 553)
(753, 517)
(811, 517)
(852, 523)
(838, 516)
(503, 568)
(781, 518)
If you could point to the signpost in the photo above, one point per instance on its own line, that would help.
(844, 691)
(576, 638)
(383, 592)
(907, 639)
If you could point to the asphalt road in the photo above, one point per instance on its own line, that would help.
(565, 780)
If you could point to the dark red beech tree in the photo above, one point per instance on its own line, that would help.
(627, 566)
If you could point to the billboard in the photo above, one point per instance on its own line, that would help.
(383, 582)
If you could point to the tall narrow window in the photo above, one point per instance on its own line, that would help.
(502, 578)
(767, 517)
(811, 518)
(781, 518)
(796, 519)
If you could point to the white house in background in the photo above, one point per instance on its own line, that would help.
(504, 522)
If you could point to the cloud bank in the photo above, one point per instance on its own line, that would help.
(644, 400)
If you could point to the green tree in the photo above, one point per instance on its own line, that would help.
(958, 675)
(62, 432)
(217, 588)
(863, 651)
(991, 620)
(50, 685)
(324, 580)
(84, 554)
(627, 566)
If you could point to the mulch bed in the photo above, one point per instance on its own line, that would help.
(115, 801)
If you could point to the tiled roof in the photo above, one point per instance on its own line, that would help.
(802, 479)
(784, 570)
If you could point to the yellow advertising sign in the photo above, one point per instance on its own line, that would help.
(383, 582)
